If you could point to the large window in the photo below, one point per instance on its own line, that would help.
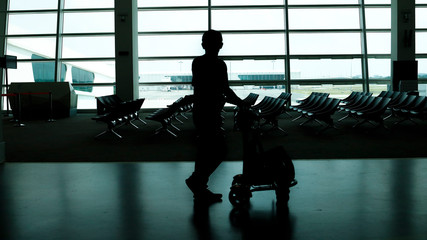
(75, 42)
(269, 47)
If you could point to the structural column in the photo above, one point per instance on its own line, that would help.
(3, 8)
(404, 68)
(126, 43)
(59, 30)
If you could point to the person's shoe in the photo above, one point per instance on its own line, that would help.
(194, 185)
(201, 192)
(207, 196)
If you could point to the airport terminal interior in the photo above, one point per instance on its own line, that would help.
(97, 137)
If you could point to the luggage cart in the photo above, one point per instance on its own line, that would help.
(262, 170)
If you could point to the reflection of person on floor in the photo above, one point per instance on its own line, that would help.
(211, 91)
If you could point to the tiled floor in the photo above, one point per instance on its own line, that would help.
(335, 199)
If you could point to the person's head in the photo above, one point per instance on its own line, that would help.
(212, 41)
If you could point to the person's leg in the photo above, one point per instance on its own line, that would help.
(210, 153)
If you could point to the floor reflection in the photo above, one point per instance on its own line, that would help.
(256, 224)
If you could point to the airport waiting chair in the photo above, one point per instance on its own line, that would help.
(310, 104)
(399, 102)
(420, 112)
(323, 114)
(165, 116)
(269, 115)
(374, 114)
(350, 97)
(404, 112)
(105, 104)
(120, 114)
(362, 102)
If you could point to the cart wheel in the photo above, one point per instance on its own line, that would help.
(239, 196)
(238, 179)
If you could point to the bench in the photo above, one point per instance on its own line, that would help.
(116, 113)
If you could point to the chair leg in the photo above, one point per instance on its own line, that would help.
(389, 116)
(111, 131)
(306, 121)
(405, 119)
(139, 119)
(346, 116)
(300, 116)
(165, 129)
(175, 127)
(183, 115)
(179, 120)
(133, 124)
(115, 133)
(288, 114)
(102, 133)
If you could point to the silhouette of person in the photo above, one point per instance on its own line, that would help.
(211, 92)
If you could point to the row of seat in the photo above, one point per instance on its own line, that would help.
(361, 106)
(401, 105)
(270, 108)
(318, 107)
(165, 116)
(115, 113)
(407, 107)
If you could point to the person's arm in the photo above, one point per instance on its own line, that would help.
(230, 95)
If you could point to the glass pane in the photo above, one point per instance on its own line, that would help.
(377, 88)
(87, 100)
(379, 68)
(89, 4)
(32, 5)
(321, 2)
(245, 2)
(253, 44)
(377, 1)
(170, 45)
(325, 43)
(180, 70)
(256, 70)
(261, 19)
(91, 72)
(379, 43)
(300, 91)
(32, 23)
(159, 96)
(420, 39)
(326, 69)
(40, 71)
(88, 22)
(86, 47)
(24, 48)
(421, 18)
(173, 20)
(190, 45)
(422, 68)
(171, 3)
(165, 71)
(339, 18)
(378, 18)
